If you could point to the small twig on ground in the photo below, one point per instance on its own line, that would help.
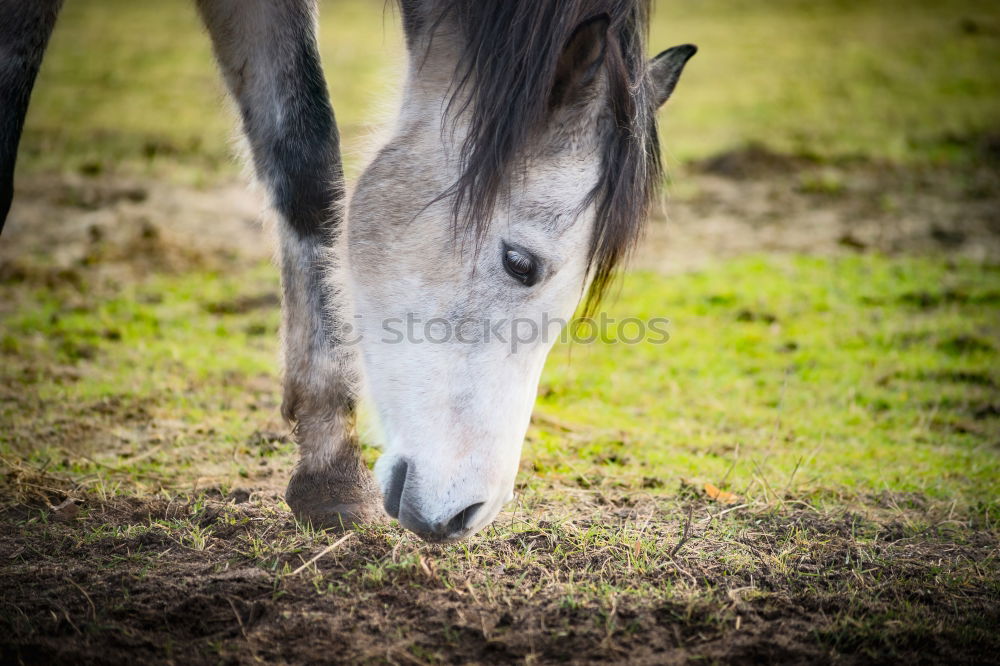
(736, 458)
(93, 608)
(239, 619)
(684, 535)
(722, 513)
(645, 523)
(323, 552)
(70, 620)
(117, 469)
(762, 480)
(791, 477)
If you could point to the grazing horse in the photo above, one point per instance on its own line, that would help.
(519, 173)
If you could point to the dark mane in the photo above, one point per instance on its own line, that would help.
(505, 73)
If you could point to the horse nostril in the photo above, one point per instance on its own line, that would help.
(411, 518)
(394, 491)
(460, 522)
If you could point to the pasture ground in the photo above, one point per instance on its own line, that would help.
(808, 470)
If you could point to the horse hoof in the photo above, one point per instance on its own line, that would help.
(329, 499)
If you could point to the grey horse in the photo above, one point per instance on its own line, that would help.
(518, 175)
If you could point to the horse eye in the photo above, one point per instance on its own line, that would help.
(520, 265)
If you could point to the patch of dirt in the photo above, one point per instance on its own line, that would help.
(751, 162)
(214, 581)
(748, 200)
(62, 226)
(245, 304)
(755, 201)
(110, 424)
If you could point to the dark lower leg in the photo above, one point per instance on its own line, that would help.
(267, 52)
(331, 486)
(25, 28)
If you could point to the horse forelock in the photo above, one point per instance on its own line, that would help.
(506, 68)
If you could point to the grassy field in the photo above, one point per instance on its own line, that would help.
(131, 85)
(823, 379)
(809, 469)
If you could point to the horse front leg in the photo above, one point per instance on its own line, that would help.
(268, 56)
(25, 28)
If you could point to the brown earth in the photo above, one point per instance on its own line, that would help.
(753, 201)
(745, 201)
(123, 581)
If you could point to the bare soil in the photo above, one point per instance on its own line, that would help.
(747, 201)
(753, 201)
(117, 228)
(116, 582)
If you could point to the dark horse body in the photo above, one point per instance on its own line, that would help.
(541, 109)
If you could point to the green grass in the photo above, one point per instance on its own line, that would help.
(815, 375)
(161, 349)
(131, 85)
(818, 379)
(894, 79)
(134, 85)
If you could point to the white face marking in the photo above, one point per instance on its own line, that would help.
(448, 355)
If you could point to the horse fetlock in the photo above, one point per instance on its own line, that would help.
(339, 494)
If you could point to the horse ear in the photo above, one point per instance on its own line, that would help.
(666, 68)
(580, 61)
